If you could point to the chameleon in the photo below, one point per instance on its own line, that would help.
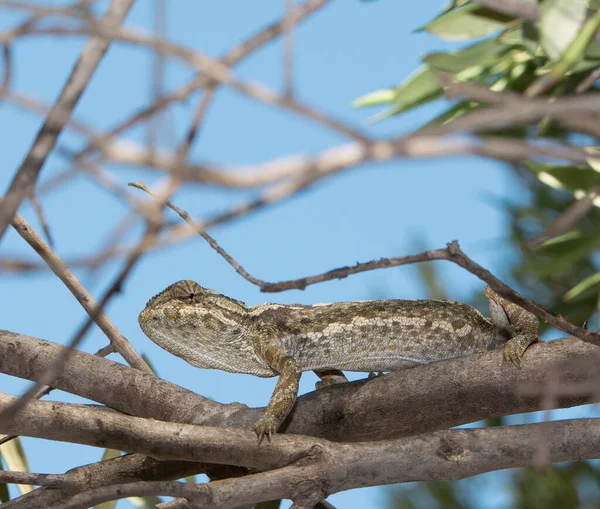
(211, 330)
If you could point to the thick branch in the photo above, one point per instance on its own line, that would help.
(418, 400)
(330, 468)
(123, 469)
(425, 398)
(101, 427)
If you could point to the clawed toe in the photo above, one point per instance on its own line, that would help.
(266, 426)
(513, 358)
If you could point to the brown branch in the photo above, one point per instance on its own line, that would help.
(24, 181)
(288, 48)
(426, 398)
(215, 71)
(154, 218)
(331, 468)
(452, 253)
(418, 400)
(49, 480)
(570, 112)
(101, 427)
(212, 242)
(589, 81)
(343, 157)
(42, 219)
(85, 299)
(235, 55)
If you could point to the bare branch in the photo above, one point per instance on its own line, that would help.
(235, 55)
(426, 398)
(49, 480)
(452, 253)
(418, 400)
(87, 302)
(26, 176)
(331, 467)
(212, 242)
(288, 49)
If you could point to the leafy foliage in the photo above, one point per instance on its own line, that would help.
(516, 56)
(555, 57)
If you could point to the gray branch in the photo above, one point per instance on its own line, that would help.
(419, 400)
(26, 176)
(331, 467)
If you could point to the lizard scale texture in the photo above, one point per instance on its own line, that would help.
(210, 330)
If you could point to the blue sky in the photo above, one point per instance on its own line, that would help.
(347, 49)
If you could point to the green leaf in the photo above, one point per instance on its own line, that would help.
(376, 98)
(583, 286)
(14, 457)
(572, 58)
(4, 496)
(422, 86)
(562, 256)
(480, 55)
(593, 50)
(573, 234)
(594, 162)
(524, 36)
(468, 22)
(574, 178)
(561, 21)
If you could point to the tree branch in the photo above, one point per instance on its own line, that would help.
(87, 302)
(24, 181)
(418, 400)
(330, 468)
(425, 398)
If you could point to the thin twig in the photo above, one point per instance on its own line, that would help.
(24, 181)
(232, 57)
(86, 300)
(42, 218)
(451, 253)
(212, 242)
(589, 81)
(288, 49)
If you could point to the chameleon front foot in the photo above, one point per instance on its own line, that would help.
(514, 351)
(266, 426)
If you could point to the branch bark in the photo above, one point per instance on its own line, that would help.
(425, 398)
(418, 400)
(330, 468)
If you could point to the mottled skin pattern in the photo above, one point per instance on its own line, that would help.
(210, 330)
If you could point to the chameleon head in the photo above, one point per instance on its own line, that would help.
(207, 329)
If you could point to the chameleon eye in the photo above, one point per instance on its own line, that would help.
(186, 291)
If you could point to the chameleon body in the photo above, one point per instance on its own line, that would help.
(210, 330)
